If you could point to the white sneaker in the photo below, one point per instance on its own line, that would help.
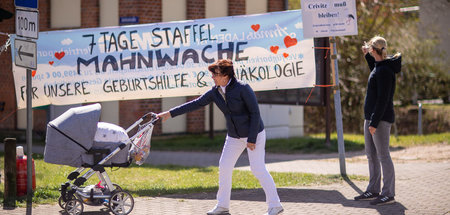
(275, 211)
(218, 211)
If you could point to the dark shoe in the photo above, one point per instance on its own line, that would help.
(366, 196)
(383, 200)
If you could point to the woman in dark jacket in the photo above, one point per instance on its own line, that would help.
(245, 129)
(379, 116)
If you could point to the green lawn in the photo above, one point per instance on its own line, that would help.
(149, 180)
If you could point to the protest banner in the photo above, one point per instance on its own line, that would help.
(167, 59)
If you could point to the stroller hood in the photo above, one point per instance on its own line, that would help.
(71, 134)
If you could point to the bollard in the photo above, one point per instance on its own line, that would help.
(419, 121)
(10, 173)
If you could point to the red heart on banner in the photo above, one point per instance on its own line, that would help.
(51, 62)
(59, 55)
(256, 27)
(288, 41)
(285, 55)
(274, 49)
(33, 73)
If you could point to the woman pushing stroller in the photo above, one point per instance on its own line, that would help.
(245, 129)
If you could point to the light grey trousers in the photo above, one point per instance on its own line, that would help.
(377, 151)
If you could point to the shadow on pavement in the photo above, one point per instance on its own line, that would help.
(94, 210)
(300, 195)
(352, 185)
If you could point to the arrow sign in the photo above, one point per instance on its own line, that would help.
(25, 53)
(20, 53)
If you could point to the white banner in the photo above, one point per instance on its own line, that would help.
(167, 59)
(326, 18)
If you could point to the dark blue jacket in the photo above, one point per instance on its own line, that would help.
(240, 109)
(379, 103)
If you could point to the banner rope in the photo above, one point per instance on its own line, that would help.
(312, 89)
(327, 48)
(4, 47)
(6, 117)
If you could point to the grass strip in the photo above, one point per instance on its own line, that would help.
(147, 180)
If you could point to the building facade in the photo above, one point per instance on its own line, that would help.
(280, 120)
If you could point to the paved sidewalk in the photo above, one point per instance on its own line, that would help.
(422, 188)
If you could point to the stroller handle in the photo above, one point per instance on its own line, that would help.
(151, 114)
(153, 118)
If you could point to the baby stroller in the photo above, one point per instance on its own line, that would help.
(78, 139)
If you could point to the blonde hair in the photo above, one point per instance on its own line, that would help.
(379, 45)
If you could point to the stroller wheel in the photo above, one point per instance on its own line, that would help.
(61, 202)
(74, 207)
(121, 202)
(117, 187)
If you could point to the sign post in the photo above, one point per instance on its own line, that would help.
(27, 27)
(330, 18)
(337, 108)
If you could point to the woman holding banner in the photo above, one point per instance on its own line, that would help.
(245, 128)
(379, 116)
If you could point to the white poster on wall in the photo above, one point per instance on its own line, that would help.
(326, 18)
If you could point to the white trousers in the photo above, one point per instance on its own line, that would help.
(232, 149)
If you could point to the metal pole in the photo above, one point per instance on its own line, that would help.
(327, 99)
(29, 143)
(10, 172)
(419, 121)
(211, 121)
(337, 108)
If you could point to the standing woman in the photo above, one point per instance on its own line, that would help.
(245, 129)
(379, 116)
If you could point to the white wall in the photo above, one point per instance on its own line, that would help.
(216, 8)
(176, 124)
(296, 121)
(282, 121)
(255, 6)
(65, 13)
(173, 10)
(109, 13)
(22, 119)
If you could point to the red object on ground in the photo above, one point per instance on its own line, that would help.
(21, 178)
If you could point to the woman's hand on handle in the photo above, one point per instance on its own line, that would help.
(164, 115)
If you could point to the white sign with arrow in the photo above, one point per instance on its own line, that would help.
(25, 53)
